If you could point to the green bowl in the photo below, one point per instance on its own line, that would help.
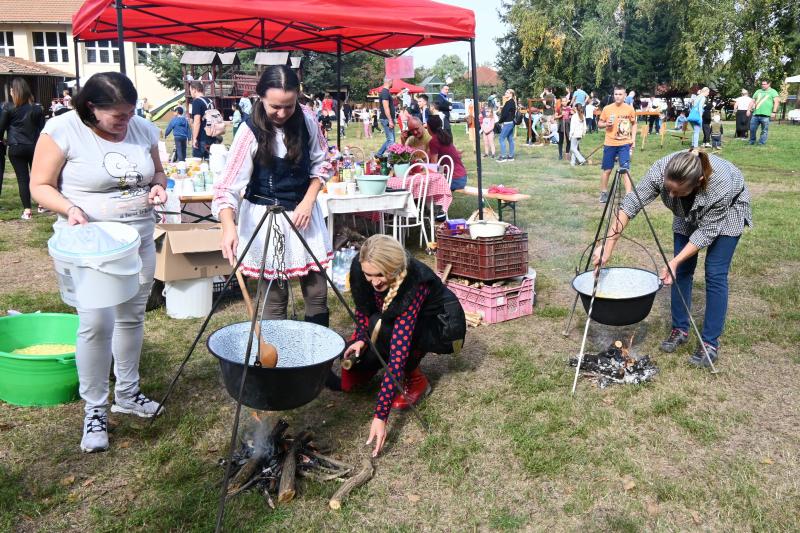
(37, 379)
(372, 185)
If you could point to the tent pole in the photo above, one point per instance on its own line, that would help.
(339, 94)
(77, 67)
(475, 123)
(120, 37)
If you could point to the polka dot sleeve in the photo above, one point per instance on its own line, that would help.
(399, 349)
(362, 327)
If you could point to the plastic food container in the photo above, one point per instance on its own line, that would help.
(487, 228)
(371, 185)
(37, 379)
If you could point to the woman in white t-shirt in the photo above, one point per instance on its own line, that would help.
(100, 163)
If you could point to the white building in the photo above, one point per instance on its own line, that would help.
(41, 31)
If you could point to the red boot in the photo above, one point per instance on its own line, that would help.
(416, 388)
(354, 377)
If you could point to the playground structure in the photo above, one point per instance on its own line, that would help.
(223, 80)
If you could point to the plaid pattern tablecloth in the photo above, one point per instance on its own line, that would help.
(438, 189)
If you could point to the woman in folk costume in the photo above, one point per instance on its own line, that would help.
(278, 157)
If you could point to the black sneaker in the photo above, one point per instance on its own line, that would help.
(438, 214)
(699, 358)
(511, 158)
(675, 339)
(501, 159)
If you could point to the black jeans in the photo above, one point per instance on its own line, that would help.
(706, 133)
(21, 157)
(180, 149)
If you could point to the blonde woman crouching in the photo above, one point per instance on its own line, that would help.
(403, 306)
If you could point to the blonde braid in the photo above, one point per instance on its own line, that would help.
(393, 289)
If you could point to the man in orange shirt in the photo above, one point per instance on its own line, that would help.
(619, 121)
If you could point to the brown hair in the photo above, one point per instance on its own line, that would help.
(197, 85)
(284, 78)
(22, 92)
(689, 169)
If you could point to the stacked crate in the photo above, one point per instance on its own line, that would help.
(492, 271)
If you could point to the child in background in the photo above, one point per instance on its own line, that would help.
(179, 127)
(487, 131)
(682, 119)
(552, 131)
(716, 131)
(236, 118)
(366, 119)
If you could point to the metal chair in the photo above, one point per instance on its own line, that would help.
(416, 178)
(447, 166)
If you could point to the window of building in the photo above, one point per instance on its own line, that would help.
(102, 51)
(6, 43)
(50, 47)
(145, 51)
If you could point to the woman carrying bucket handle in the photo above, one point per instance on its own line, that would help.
(711, 206)
(100, 163)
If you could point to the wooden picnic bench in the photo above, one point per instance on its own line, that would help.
(503, 200)
(683, 134)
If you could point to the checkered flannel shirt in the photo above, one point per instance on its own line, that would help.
(716, 210)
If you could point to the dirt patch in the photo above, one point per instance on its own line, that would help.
(24, 267)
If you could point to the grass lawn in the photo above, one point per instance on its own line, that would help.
(508, 449)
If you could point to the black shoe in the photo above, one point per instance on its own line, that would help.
(675, 339)
(321, 319)
(699, 358)
(438, 214)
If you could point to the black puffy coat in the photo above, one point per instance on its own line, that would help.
(441, 319)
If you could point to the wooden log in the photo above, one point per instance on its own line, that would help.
(252, 465)
(286, 488)
(366, 473)
(330, 460)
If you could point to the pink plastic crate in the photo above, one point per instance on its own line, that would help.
(497, 304)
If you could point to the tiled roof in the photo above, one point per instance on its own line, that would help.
(14, 65)
(47, 11)
(486, 76)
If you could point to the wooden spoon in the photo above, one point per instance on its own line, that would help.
(267, 353)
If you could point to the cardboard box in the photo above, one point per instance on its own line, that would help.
(189, 251)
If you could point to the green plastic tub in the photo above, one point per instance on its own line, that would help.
(37, 379)
(372, 185)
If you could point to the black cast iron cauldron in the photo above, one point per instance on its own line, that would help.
(305, 354)
(624, 295)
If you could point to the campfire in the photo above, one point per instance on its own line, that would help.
(616, 365)
(270, 460)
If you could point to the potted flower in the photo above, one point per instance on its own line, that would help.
(400, 157)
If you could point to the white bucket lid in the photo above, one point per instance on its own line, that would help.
(94, 242)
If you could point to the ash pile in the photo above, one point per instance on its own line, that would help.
(616, 365)
(270, 461)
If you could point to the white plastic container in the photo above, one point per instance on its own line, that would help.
(101, 279)
(486, 228)
(190, 298)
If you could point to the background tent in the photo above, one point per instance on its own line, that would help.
(328, 26)
(399, 85)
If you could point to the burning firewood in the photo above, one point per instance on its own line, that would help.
(616, 365)
(367, 470)
(251, 466)
(286, 488)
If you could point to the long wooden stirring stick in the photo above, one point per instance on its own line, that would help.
(267, 355)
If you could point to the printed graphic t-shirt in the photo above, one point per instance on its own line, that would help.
(108, 180)
(622, 126)
(764, 101)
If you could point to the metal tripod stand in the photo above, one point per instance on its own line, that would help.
(610, 210)
(269, 216)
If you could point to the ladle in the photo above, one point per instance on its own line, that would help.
(267, 354)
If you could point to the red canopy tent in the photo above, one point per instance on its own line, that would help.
(399, 85)
(328, 26)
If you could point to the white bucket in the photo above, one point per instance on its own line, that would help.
(105, 279)
(190, 298)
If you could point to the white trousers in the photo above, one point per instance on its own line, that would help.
(116, 331)
(575, 151)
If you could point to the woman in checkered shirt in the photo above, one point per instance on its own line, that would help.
(711, 207)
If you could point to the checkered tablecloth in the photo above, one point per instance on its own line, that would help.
(438, 189)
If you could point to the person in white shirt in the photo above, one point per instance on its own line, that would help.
(741, 107)
(577, 129)
(591, 124)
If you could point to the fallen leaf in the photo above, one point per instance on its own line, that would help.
(652, 508)
(329, 406)
(414, 498)
(767, 461)
(628, 483)
(608, 400)
(5, 426)
(69, 480)
(124, 444)
(72, 497)
(87, 482)
(696, 518)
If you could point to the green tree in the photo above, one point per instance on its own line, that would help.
(167, 67)
(362, 71)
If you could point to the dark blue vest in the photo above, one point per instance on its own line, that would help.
(283, 182)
